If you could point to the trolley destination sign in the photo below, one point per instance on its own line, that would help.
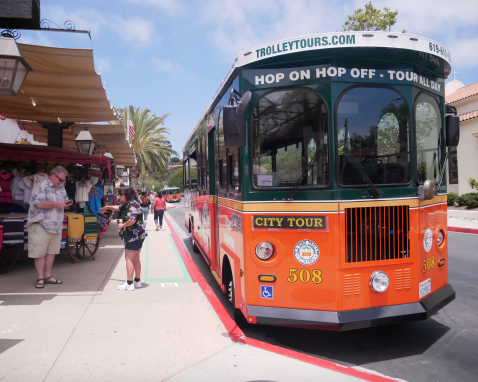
(275, 77)
(288, 222)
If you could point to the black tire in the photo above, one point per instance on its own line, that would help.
(236, 313)
(195, 247)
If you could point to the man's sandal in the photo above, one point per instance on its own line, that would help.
(40, 286)
(46, 281)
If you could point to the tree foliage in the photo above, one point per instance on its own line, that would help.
(152, 180)
(175, 160)
(176, 179)
(371, 19)
(148, 143)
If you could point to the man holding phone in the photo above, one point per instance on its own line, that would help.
(45, 223)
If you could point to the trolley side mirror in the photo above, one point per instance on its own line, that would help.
(234, 127)
(452, 130)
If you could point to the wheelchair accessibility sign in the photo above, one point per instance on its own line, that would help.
(267, 291)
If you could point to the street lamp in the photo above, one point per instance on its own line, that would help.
(86, 143)
(119, 170)
(125, 176)
(13, 66)
(107, 154)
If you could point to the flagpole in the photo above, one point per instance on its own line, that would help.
(127, 124)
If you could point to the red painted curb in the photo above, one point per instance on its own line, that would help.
(237, 335)
(463, 230)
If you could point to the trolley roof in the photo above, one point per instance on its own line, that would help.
(332, 40)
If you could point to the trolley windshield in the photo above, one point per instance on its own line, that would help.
(373, 133)
(288, 128)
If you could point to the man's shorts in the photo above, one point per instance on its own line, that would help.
(41, 242)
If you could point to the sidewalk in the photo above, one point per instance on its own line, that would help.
(86, 329)
(462, 221)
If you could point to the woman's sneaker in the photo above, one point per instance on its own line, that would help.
(126, 286)
(137, 284)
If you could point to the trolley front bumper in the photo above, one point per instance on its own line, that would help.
(354, 319)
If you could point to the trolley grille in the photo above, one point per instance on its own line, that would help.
(377, 233)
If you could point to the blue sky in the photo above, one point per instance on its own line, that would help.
(170, 55)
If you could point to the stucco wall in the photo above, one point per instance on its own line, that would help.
(467, 154)
(9, 131)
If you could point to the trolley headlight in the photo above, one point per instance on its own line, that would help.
(264, 250)
(379, 281)
(440, 237)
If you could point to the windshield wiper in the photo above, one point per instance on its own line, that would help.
(299, 181)
(357, 165)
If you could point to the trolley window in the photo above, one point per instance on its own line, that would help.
(428, 125)
(373, 133)
(234, 181)
(288, 127)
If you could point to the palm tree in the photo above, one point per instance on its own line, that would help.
(148, 143)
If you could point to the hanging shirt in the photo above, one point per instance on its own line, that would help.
(82, 191)
(95, 200)
(18, 188)
(6, 178)
(70, 188)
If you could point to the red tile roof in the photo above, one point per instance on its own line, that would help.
(470, 115)
(462, 93)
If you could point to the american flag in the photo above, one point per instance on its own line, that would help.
(131, 130)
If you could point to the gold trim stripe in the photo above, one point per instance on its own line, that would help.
(299, 207)
(324, 206)
(437, 199)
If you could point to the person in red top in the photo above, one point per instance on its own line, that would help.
(159, 207)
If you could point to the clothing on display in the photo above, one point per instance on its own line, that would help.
(70, 187)
(6, 178)
(83, 188)
(18, 186)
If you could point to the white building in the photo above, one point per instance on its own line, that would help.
(463, 161)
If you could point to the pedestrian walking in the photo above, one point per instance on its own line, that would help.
(133, 234)
(45, 223)
(159, 206)
(152, 197)
(145, 205)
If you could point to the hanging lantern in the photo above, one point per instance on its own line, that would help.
(119, 171)
(86, 143)
(13, 66)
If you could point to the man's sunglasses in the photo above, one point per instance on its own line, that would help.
(61, 180)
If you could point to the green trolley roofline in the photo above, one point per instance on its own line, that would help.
(324, 41)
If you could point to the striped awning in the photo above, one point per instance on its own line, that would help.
(63, 87)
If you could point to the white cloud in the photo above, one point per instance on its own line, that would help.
(453, 24)
(135, 31)
(237, 26)
(104, 65)
(36, 38)
(169, 6)
(165, 65)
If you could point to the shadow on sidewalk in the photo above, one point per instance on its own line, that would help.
(26, 299)
(7, 344)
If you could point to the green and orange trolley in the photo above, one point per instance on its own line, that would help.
(320, 198)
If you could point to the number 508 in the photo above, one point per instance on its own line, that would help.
(305, 276)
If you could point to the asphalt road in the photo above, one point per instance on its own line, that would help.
(443, 348)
